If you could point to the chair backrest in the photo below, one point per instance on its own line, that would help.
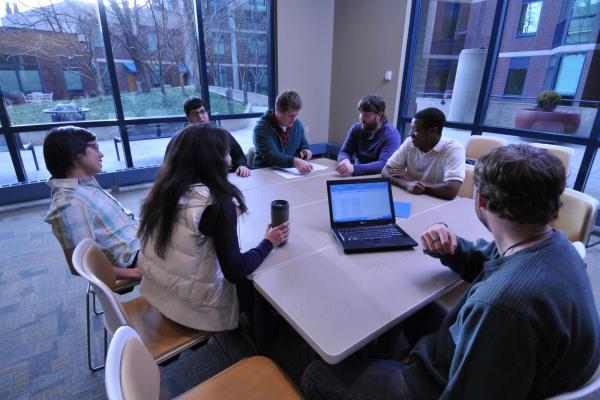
(251, 154)
(576, 216)
(591, 386)
(580, 247)
(480, 145)
(466, 188)
(564, 153)
(130, 372)
(92, 265)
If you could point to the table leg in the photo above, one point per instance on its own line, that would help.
(259, 322)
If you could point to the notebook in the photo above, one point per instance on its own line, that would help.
(361, 212)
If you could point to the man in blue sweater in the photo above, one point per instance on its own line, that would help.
(527, 326)
(371, 141)
(279, 139)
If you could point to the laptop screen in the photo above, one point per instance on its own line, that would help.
(360, 201)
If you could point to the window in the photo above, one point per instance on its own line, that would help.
(73, 81)
(20, 73)
(530, 17)
(569, 74)
(580, 30)
(450, 20)
(516, 76)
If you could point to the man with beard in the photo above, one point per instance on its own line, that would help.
(428, 163)
(371, 141)
(527, 327)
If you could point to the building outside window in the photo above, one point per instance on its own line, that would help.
(530, 17)
(569, 74)
(59, 50)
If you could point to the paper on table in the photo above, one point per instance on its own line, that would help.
(292, 173)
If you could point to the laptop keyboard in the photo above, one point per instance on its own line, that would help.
(369, 232)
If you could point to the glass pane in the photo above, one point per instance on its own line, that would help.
(592, 186)
(7, 171)
(580, 30)
(61, 71)
(9, 82)
(450, 56)
(513, 95)
(235, 34)
(149, 142)
(569, 73)
(530, 16)
(241, 130)
(155, 55)
(585, 7)
(515, 82)
(31, 81)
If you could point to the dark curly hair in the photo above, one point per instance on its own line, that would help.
(522, 183)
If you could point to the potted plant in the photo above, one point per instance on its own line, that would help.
(546, 118)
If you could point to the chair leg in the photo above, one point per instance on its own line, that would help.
(117, 148)
(35, 161)
(89, 334)
(94, 305)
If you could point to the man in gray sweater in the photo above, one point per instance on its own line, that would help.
(527, 326)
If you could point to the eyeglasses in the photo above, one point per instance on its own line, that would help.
(94, 146)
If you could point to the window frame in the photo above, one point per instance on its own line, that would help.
(527, 3)
(25, 190)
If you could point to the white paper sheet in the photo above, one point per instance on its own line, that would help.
(292, 173)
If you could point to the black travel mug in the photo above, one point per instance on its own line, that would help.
(280, 213)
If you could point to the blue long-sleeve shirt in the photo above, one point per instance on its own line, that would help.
(526, 328)
(371, 150)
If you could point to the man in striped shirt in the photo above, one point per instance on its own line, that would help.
(80, 208)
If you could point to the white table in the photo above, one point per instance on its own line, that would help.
(338, 302)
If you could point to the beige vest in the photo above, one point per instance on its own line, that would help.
(188, 286)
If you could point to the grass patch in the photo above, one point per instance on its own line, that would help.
(135, 105)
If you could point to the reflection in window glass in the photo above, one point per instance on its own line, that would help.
(585, 7)
(450, 56)
(62, 70)
(580, 30)
(530, 16)
(157, 61)
(569, 72)
(235, 33)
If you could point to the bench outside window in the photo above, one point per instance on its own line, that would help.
(21, 146)
(147, 132)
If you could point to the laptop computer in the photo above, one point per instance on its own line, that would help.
(362, 216)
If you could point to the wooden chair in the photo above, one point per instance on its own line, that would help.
(466, 188)
(131, 374)
(564, 154)
(480, 145)
(576, 216)
(164, 338)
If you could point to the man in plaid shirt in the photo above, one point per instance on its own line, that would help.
(80, 208)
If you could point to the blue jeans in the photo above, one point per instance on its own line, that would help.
(355, 379)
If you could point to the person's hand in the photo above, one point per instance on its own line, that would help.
(305, 154)
(128, 273)
(304, 167)
(279, 234)
(345, 167)
(401, 173)
(243, 171)
(438, 239)
(415, 187)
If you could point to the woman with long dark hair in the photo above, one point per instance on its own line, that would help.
(190, 255)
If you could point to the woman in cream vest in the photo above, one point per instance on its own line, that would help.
(190, 257)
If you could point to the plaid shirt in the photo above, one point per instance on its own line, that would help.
(82, 209)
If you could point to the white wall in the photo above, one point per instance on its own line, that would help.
(368, 39)
(304, 51)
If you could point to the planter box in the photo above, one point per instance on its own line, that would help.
(547, 121)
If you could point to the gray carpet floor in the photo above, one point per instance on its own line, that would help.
(42, 320)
